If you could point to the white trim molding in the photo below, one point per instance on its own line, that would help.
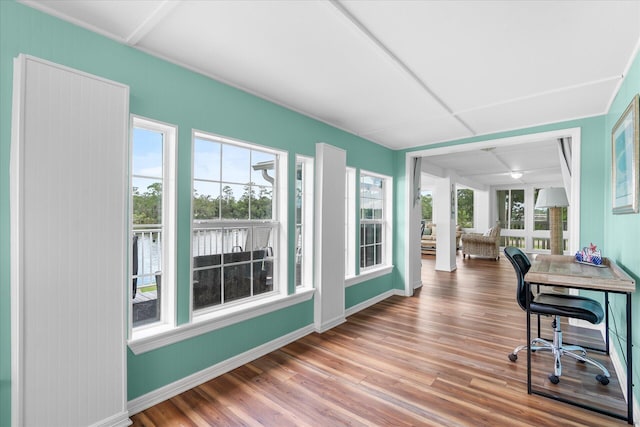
(168, 391)
(216, 320)
(372, 301)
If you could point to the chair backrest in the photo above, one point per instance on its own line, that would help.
(134, 266)
(521, 265)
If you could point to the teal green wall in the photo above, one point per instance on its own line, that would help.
(622, 232)
(169, 93)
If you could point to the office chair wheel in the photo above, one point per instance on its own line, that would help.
(513, 357)
(554, 379)
(602, 379)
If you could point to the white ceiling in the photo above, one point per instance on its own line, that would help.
(538, 162)
(399, 73)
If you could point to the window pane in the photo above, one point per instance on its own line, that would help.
(206, 241)
(377, 209)
(369, 256)
(262, 168)
(147, 153)
(503, 208)
(237, 280)
(147, 201)
(234, 240)
(465, 208)
(261, 202)
(206, 288)
(206, 200)
(540, 217)
(378, 254)
(367, 234)
(206, 160)
(517, 210)
(261, 277)
(237, 161)
(234, 203)
(377, 233)
(261, 239)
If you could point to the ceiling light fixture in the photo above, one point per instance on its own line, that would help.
(516, 175)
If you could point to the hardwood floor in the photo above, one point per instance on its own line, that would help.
(438, 358)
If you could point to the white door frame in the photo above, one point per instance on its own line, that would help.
(412, 219)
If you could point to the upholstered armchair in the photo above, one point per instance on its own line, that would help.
(483, 245)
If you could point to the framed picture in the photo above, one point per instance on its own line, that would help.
(624, 145)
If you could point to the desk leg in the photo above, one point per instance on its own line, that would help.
(629, 367)
(606, 321)
(528, 311)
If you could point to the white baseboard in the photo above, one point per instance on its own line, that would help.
(368, 303)
(163, 393)
(330, 324)
(117, 420)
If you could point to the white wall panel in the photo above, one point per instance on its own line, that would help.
(329, 300)
(69, 246)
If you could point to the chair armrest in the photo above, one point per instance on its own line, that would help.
(477, 238)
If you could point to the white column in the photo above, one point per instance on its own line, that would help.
(329, 299)
(444, 211)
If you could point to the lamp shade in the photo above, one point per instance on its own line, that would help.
(553, 197)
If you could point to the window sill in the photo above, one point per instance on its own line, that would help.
(368, 274)
(163, 335)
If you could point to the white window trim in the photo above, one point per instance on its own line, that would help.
(169, 209)
(307, 222)
(368, 274)
(387, 218)
(279, 241)
(216, 320)
(350, 220)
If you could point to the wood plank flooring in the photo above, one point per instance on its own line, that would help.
(438, 358)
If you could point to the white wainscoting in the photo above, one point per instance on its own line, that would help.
(68, 247)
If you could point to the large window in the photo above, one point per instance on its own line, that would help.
(465, 207)
(511, 209)
(152, 222)
(235, 221)
(375, 221)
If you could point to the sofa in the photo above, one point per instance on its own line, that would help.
(482, 245)
(429, 238)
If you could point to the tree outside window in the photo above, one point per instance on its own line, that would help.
(426, 199)
(465, 208)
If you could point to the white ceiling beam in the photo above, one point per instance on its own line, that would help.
(544, 93)
(151, 22)
(404, 67)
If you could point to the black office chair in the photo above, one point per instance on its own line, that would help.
(555, 305)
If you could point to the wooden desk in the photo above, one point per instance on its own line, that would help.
(564, 271)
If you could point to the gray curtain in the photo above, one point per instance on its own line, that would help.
(564, 151)
(417, 176)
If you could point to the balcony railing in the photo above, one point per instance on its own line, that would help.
(146, 274)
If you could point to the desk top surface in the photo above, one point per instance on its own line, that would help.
(563, 270)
